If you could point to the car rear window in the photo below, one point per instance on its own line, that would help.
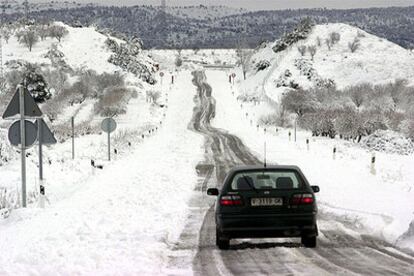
(266, 180)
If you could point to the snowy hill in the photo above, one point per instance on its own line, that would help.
(375, 60)
(15, 6)
(89, 76)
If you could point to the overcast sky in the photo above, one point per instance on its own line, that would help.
(260, 4)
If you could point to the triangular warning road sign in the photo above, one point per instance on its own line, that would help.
(31, 109)
(46, 136)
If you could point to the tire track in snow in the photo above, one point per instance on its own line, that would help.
(338, 253)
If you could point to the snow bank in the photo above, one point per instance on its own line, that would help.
(120, 220)
(379, 204)
(389, 141)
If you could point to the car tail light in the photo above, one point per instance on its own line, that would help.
(231, 200)
(300, 199)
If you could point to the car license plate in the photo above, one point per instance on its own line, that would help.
(268, 201)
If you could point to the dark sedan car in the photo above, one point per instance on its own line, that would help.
(271, 202)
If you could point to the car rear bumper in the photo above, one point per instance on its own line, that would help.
(271, 225)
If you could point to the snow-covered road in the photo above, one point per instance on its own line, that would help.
(342, 249)
(124, 219)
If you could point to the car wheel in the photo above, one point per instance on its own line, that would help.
(309, 242)
(222, 243)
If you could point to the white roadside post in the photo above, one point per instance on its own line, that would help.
(334, 153)
(44, 137)
(373, 160)
(72, 123)
(307, 144)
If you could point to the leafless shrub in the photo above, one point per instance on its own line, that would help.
(302, 50)
(113, 102)
(354, 45)
(318, 41)
(328, 43)
(312, 50)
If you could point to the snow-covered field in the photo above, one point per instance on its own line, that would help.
(380, 204)
(125, 218)
(116, 221)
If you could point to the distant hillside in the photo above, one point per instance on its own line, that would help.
(185, 28)
(373, 60)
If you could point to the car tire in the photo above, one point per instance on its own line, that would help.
(222, 243)
(309, 242)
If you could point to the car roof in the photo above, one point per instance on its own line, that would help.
(261, 167)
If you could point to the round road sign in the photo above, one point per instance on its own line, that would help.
(108, 125)
(162, 74)
(30, 133)
(233, 75)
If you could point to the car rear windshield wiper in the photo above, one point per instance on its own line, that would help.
(250, 184)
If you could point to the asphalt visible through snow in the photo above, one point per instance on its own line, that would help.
(341, 249)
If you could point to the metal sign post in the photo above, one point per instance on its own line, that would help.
(108, 125)
(22, 136)
(23, 145)
(45, 137)
(72, 122)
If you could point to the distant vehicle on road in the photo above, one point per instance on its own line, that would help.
(271, 202)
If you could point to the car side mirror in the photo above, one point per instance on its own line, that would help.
(315, 189)
(213, 192)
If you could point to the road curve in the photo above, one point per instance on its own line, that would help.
(341, 250)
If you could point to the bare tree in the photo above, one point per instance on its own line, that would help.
(6, 35)
(354, 45)
(44, 31)
(299, 101)
(58, 32)
(302, 50)
(244, 58)
(29, 38)
(312, 51)
(328, 43)
(318, 41)
(357, 93)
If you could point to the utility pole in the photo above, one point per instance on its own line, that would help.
(26, 11)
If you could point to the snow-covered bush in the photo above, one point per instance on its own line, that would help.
(248, 98)
(262, 65)
(36, 84)
(57, 58)
(299, 33)
(334, 38)
(125, 56)
(306, 69)
(285, 80)
(389, 141)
